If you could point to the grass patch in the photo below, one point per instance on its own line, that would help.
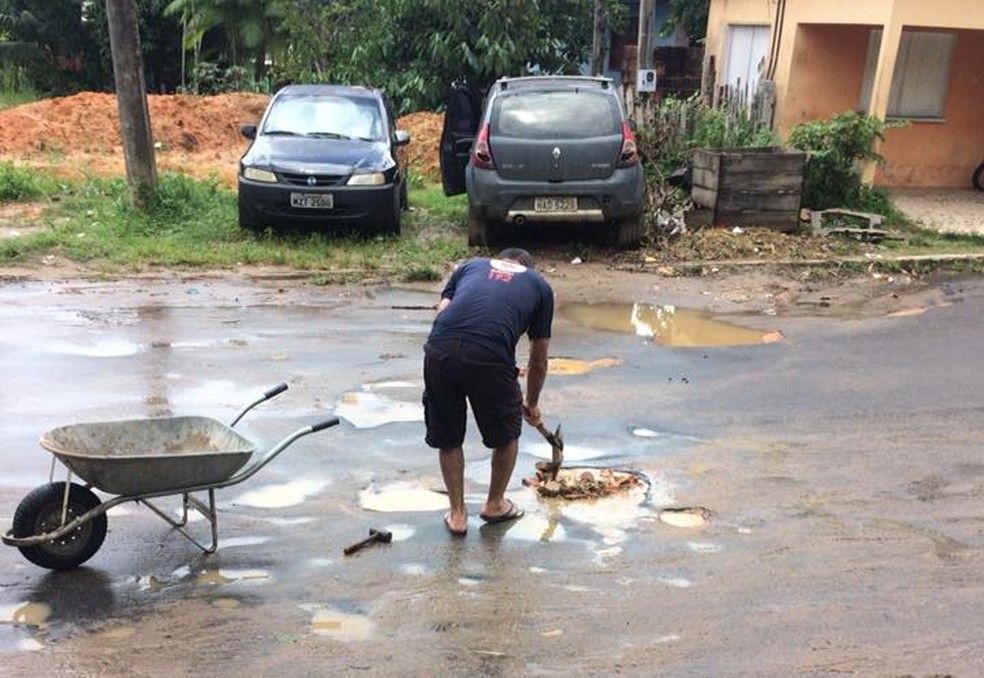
(192, 224)
(19, 183)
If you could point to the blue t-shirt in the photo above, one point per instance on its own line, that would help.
(494, 302)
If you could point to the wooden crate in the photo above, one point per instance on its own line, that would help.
(749, 186)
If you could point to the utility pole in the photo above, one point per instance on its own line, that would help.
(597, 46)
(131, 98)
(645, 35)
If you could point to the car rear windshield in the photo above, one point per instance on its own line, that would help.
(328, 115)
(564, 114)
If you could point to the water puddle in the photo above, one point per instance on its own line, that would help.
(666, 325)
(223, 576)
(243, 541)
(696, 516)
(916, 311)
(337, 624)
(25, 614)
(110, 348)
(576, 367)
(283, 495)
(402, 496)
(366, 409)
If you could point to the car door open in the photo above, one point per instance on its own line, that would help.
(461, 119)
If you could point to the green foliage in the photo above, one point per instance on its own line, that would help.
(689, 14)
(678, 126)
(248, 30)
(414, 49)
(16, 87)
(21, 183)
(837, 149)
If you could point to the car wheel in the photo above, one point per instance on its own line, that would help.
(248, 221)
(628, 232)
(390, 225)
(481, 232)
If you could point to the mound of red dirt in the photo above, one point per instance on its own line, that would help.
(196, 135)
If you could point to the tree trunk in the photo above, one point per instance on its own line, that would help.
(597, 47)
(131, 97)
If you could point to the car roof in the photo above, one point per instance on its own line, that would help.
(554, 81)
(347, 90)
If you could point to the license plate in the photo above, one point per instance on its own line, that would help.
(555, 204)
(316, 201)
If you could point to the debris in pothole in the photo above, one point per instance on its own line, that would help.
(584, 483)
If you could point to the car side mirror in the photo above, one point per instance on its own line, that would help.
(401, 138)
(248, 131)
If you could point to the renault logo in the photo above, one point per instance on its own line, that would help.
(311, 181)
(556, 153)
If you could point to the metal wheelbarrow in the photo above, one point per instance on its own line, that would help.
(61, 525)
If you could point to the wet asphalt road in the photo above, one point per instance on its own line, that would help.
(842, 466)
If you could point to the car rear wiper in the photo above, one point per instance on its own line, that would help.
(282, 133)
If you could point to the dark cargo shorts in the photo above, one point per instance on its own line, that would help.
(456, 371)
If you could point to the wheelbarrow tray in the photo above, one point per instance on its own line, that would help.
(147, 456)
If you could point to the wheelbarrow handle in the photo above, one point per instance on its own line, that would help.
(275, 391)
(269, 393)
(327, 423)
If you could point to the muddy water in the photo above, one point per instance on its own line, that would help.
(665, 325)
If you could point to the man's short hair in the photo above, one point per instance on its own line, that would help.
(519, 255)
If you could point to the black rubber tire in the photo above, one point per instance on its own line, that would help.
(979, 177)
(482, 233)
(40, 512)
(628, 233)
(248, 221)
(390, 226)
(478, 231)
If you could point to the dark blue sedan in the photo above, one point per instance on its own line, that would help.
(322, 156)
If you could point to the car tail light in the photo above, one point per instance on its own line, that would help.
(629, 155)
(481, 152)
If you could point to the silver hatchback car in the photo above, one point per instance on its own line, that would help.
(544, 149)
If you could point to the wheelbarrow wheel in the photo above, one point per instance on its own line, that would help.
(41, 511)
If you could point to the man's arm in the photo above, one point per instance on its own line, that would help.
(536, 375)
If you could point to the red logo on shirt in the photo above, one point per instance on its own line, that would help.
(503, 271)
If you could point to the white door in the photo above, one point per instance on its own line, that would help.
(748, 48)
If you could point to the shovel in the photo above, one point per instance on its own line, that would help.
(556, 452)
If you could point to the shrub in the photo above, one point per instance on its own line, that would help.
(836, 152)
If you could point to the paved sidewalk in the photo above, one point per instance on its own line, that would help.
(945, 210)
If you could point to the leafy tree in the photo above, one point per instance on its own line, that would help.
(415, 49)
(249, 28)
(160, 44)
(691, 15)
(54, 39)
